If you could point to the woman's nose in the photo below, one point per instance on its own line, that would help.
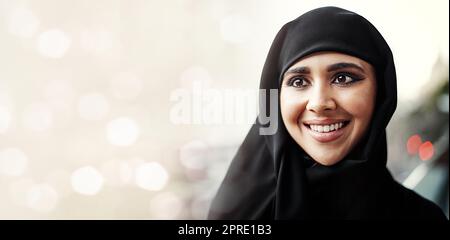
(321, 99)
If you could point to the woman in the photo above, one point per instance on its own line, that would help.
(327, 160)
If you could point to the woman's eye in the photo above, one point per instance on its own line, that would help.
(346, 78)
(343, 79)
(298, 82)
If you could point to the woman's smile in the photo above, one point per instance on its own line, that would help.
(325, 131)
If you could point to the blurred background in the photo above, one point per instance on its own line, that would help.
(89, 93)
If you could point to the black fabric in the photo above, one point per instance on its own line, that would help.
(271, 177)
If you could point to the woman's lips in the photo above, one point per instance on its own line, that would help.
(324, 137)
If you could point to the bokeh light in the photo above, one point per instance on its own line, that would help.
(426, 151)
(122, 131)
(13, 162)
(22, 22)
(42, 198)
(151, 176)
(53, 43)
(87, 180)
(413, 144)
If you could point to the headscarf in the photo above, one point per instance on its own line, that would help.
(272, 177)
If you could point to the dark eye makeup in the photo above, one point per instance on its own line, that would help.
(346, 78)
(340, 79)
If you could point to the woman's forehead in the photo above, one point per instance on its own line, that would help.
(329, 58)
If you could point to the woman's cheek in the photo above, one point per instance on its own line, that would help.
(359, 102)
(292, 107)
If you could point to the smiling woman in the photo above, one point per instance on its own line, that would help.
(327, 101)
(336, 80)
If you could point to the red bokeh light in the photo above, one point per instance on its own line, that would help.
(426, 150)
(413, 144)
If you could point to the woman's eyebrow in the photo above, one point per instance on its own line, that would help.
(304, 70)
(341, 65)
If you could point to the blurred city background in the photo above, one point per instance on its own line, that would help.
(86, 94)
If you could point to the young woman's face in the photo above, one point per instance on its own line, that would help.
(327, 100)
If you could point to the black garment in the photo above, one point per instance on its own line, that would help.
(271, 177)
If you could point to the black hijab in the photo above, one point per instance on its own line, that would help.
(271, 177)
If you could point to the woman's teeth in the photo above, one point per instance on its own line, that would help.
(326, 128)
